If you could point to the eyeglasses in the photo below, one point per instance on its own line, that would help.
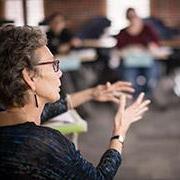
(54, 63)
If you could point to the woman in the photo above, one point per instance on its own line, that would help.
(30, 79)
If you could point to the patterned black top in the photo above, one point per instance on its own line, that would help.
(28, 151)
(53, 109)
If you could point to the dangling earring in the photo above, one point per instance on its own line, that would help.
(36, 101)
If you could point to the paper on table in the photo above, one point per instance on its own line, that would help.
(70, 116)
(65, 117)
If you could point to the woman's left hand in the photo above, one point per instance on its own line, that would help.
(112, 92)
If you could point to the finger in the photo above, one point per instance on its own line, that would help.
(137, 118)
(121, 86)
(129, 96)
(104, 89)
(142, 111)
(111, 98)
(115, 100)
(114, 96)
(122, 83)
(145, 103)
(140, 98)
(108, 85)
(124, 88)
(118, 94)
(120, 89)
(142, 106)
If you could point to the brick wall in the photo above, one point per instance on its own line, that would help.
(77, 11)
(1, 9)
(167, 10)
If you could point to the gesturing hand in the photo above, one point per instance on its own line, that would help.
(112, 92)
(126, 116)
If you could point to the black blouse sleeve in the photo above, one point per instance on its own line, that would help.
(78, 168)
(53, 109)
(106, 169)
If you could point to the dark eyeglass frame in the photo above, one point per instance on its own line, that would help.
(54, 63)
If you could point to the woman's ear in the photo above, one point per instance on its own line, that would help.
(28, 78)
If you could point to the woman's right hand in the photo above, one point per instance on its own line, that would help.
(126, 116)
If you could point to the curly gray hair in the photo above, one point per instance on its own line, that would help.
(17, 47)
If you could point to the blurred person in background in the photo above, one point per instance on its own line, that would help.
(60, 38)
(30, 78)
(60, 42)
(95, 33)
(139, 45)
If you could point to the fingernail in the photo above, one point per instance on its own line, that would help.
(108, 84)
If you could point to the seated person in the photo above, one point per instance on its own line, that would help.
(137, 44)
(90, 33)
(60, 38)
(30, 78)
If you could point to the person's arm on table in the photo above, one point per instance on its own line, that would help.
(158, 52)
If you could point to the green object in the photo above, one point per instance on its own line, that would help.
(72, 128)
(67, 123)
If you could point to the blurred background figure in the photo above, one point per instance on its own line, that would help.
(60, 38)
(61, 42)
(135, 43)
(94, 28)
(91, 33)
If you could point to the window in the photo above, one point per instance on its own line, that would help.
(14, 11)
(116, 10)
(35, 12)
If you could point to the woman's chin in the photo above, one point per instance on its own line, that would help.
(57, 97)
(54, 98)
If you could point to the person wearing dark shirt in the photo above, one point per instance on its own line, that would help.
(56, 42)
(60, 38)
(30, 78)
(147, 35)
